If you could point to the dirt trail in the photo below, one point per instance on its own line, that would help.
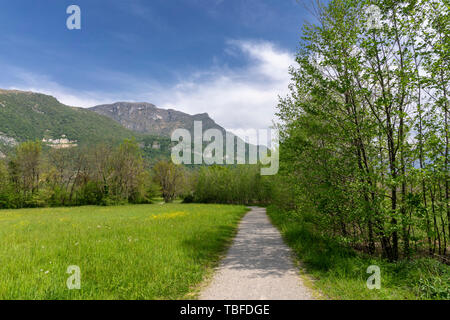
(258, 265)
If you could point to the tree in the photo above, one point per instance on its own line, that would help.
(347, 139)
(62, 173)
(128, 177)
(170, 177)
(6, 194)
(26, 167)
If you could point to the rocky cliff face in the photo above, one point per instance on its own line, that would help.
(147, 118)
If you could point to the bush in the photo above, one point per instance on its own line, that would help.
(38, 199)
(189, 198)
(90, 194)
(435, 288)
(241, 184)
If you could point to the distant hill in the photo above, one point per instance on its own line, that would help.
(145, 117)
(30, 116)
(35, 116)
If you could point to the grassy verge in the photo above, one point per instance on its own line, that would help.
(340, 272)
(126, 252)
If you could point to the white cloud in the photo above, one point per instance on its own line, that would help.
(238, 98)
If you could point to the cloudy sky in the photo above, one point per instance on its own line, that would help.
(229, 58)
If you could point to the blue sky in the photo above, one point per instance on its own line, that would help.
(229, 58)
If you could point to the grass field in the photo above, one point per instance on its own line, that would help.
(125, 252)
(339, 272)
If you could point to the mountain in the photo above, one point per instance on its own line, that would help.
(145, 117)
(35, 116)
(30, 116)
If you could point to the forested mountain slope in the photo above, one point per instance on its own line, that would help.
(30, 116)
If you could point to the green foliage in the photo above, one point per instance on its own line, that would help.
(435, 288)
(241, 184)
(171, 179)
(7, 194)
(90, 175)
(25, 171)
(90, 193)
(156, 148)
(364, 132)
(340, 272)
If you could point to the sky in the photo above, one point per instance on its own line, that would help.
(229, 58)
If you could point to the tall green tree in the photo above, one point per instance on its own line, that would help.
(364, 133)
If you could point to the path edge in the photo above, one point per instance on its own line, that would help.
(306, 278)
(196, 290)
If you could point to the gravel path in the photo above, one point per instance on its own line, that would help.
(258, 266)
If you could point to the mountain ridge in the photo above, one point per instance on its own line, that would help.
(144, 117)
(27, 115)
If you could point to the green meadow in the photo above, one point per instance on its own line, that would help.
(125, 252)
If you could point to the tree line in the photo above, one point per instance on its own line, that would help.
(241, 184)
(364, 131)
(34, 176)
(38, 176)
